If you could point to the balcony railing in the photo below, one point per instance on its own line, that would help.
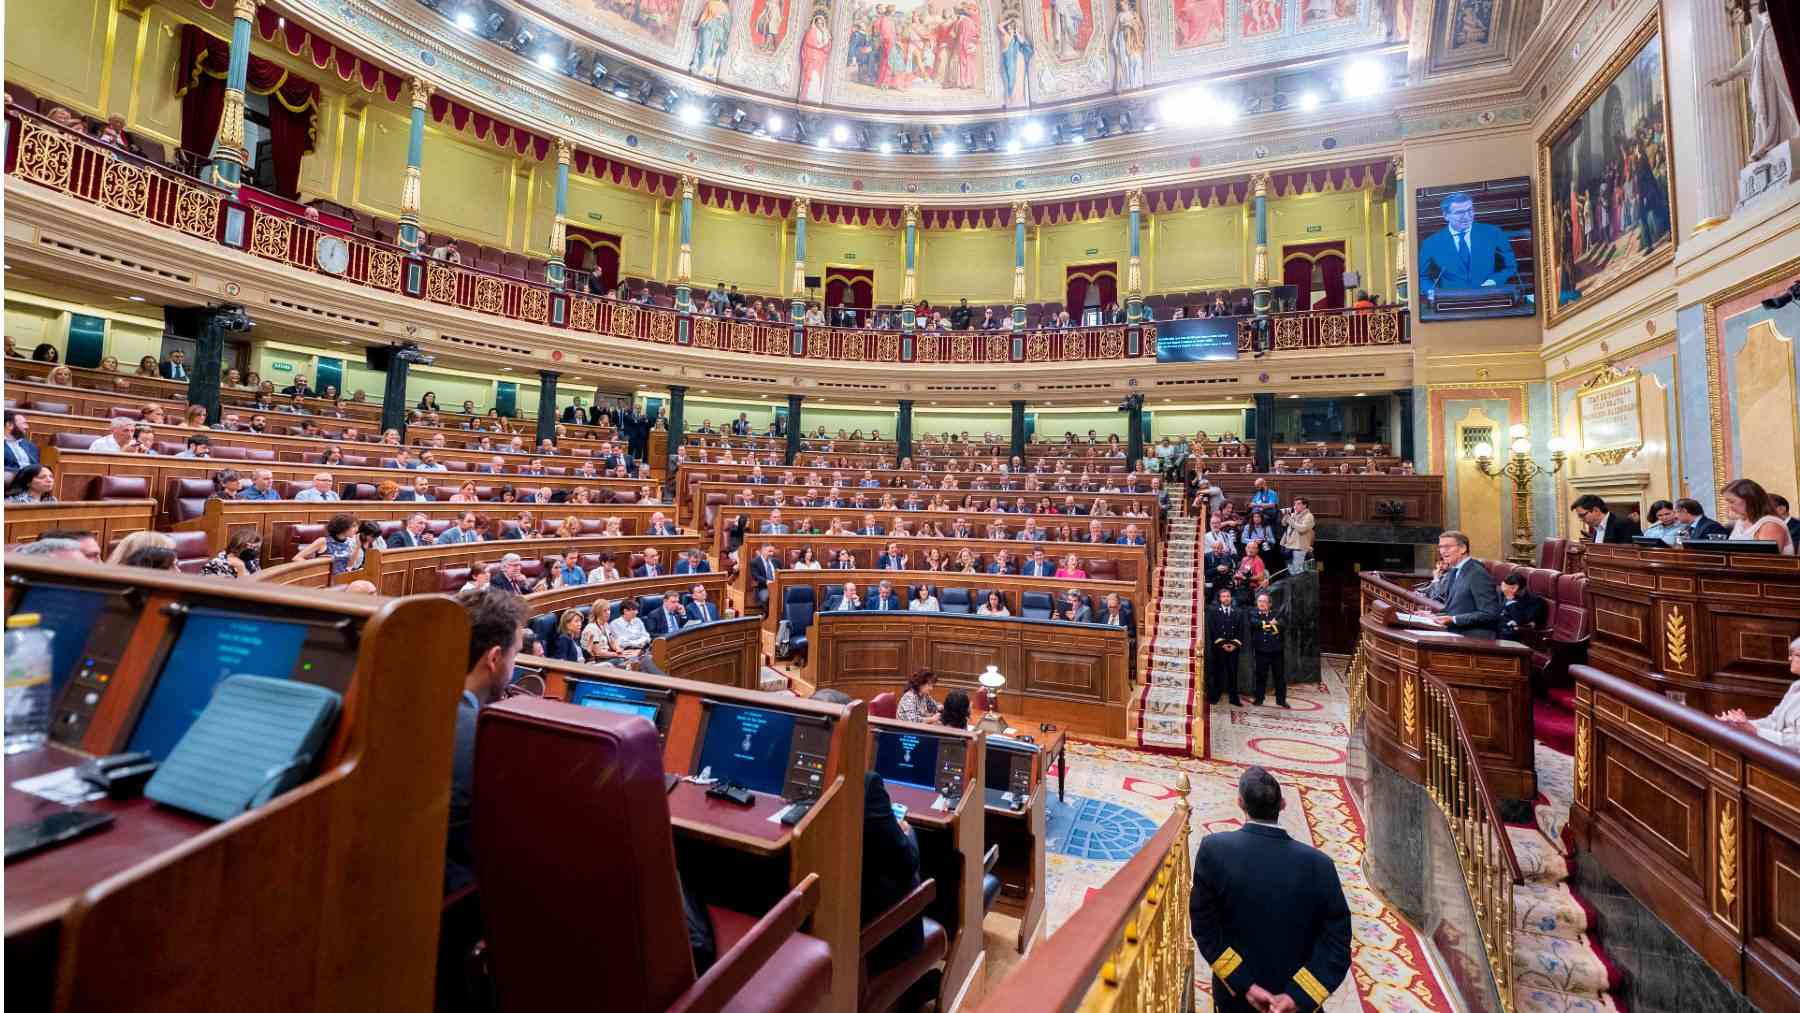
(43, 153)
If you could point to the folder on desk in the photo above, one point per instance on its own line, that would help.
(256, 738)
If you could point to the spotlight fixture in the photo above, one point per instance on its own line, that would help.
(1013, 146)
(1077, 137)
(465, 21)
(823, 144)
(545, 61)
(886, 147)
(1363, 78)
(522, 40)
(691, 113)
(1032, 132)
(572, 63)
(1309, 101)
(949, 148)
(494, 23)
(1224, 113)
(773, 123)
(737, 116)
(621, 91)
(840, 134)
(597, 72)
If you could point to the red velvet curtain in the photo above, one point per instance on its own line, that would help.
(594, 252)
(850, 286)
(293, 104)
(1784, 22)
(1077, 280)
(1297, 262)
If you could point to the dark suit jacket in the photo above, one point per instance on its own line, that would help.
(167, 370)
(1008, 569)
(26, 447)
(399, 539)
(874, 603)
(1523, 611)
(1472, 600)
(1033, 569)
(566, 648)
(1490, 259)
(886, 562)
(1701, 529)
(683, 566)
(762, 571)
(661, 624)
(1224, 627)
(1240, 877)
(890, 870)
(644, 571)
(504, 583)
(696, 614)
(1620, 530)
(459, 856)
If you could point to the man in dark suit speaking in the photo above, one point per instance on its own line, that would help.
(1466, 590)
(1465, 253)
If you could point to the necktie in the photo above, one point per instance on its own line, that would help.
(1462, 247)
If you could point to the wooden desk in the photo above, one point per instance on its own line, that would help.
(1490, 680)
(1351, 499)
(723, 653)
(109, 520)
(821, 518)
(1070, 674)
(1700, 822)
(1020, 834)
(415, 570)
(1712, 627)
(951, 844)
(733, 855)
(328, 897)
(705, 501)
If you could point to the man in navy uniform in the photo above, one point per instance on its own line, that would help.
(1267, 638)
(1268, 912)
(1225, 643)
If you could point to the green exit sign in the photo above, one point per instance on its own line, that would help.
(595, 216)
(1315, 228)
(849, 256)
(1093, 251)
(281, 367)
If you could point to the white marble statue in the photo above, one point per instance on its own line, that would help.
(1771, 107)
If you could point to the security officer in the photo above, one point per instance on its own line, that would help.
(1224, 643)
(1268, 912)
(1266, 642)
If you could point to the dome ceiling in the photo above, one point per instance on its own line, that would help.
(936, 57)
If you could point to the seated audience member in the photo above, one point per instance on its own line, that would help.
(150, 550)
(1783, 511)
(20, 450)
(652, 566)
(512, 575)
(670, 618)
(227, 484)
(693, 561)
(809, 560)
(1071, 567)
(699, 609)
(1664, 524)
(566, 645)
(1604, 526)
(916, 703)
(850, 600)
(337, 542)
(1521, 610)
(496, 635)
(885, 600)
(118, 439)
(628, 634)
(923, 600)
(241, 557)
(262, 486)
(33, 483)
(461, 532)
(1752, 512)
(413, 534)
(1781, 725)
(1074, 608)
(606, 571)
(993, 604)
(88, 542)
(1693, 524)
(955, 712)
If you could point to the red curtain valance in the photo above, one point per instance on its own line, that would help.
(517, 139)
(202, 66)
(325, 55)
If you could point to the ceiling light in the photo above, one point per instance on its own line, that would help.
(1293, 397)
(823, 143)
(1309, 101)
(774, 122)
(691, 113)
(1033, 132)
(1013, 146)
(949, 148)
(545, 61)
(1077, 138)
(465, 21)
(135, 298)
(1363, 78)
(887, 147)
(1224, 114)
(840, 134)
(281, 22)
(340, 342)
(505, 369)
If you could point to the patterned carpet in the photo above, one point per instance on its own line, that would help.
(1118, 797)
(1309, 738)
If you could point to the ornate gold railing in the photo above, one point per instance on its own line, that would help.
(1129, 947)
(41, 152)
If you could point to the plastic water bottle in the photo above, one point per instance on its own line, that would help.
(28, 667)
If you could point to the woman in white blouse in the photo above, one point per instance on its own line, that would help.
(916, 703)
(809, 560)
(1754, 511)
(992, 604)
(1782, 725)
(923, 601)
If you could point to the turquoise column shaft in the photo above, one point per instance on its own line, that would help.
(687, 220)
(556, 271)
(225, 157)
(410, 235)
(797, 304)
(239, 72)
(1262, 221)
(1136, 241)
(1400, 204)
(800, 239)
(415, 141)
(912, 245)
(1019, 242)
(562, 190)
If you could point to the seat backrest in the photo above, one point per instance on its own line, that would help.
(955, 599)
(1102, 569)
(191, 550)
(1542, 583)
(74, 441)
(52, 407)
(884, 705)
(452, 578)
(121, 412)
(544, 628)
(225, 453)
(120, 487)
(1036, 605)
(1574, 620)
(584, 788)
(1554, 553)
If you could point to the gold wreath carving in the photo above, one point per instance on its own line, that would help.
(1409, 705)
(1583, 757)
(1675, 640)
(1727, 852)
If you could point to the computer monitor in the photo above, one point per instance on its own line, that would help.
(748, 746)
(1648, 542)
(1009, 765)
(1746, 546)
(210, 647)
(649, 704)
(70, 614)
(907, 758)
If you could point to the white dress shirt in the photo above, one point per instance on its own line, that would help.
(1782, 726)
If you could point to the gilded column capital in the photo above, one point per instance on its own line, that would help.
(244, 10)
(802, 208)
(1021, 212)
(1134, 200)
(1399, 167)
(564, 151)
(688, 183)
(1259, 184)
(421, 92)
(911, 214)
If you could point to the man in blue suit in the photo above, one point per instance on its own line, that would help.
(668, 619)
(886, 600)
(693, 561)
(700, 610)
(1038, 565)
(1268, 912)
(1465, 254)
(20, 451)
(1466, 590)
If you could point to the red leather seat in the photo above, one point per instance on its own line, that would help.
(582, 790)
(187, 498)
(119, 487)
(289, 538)
(1553, 554)
(73, 441)
(225, 453)
(191, 550)
(52, 407)
(121, 412)
(624, 496)
(1571, 627)
(884, 705)
(452, 578)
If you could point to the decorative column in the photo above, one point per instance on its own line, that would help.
(903, 433)
(546, 412)
(677, 422)
(684, 261)
(909, 285)
(393, 396)
(1134, 440)
(1265, 432)
(1401, 286)
(1134, 268)
(1262, 299)
(556, 272)
(1018, 430)
(801, 207)
(794, 426)
(206, 326)
(411, 238)
(1405, 443)
(228, 153)
(1716, 150)
(1021, 213)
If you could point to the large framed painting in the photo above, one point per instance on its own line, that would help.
(1606, 181)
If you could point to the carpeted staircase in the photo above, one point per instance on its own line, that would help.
(1166, 710)
(1558, 964)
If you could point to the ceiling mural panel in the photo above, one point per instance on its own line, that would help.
(934, 56)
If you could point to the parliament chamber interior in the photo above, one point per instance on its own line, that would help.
(517, 505)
